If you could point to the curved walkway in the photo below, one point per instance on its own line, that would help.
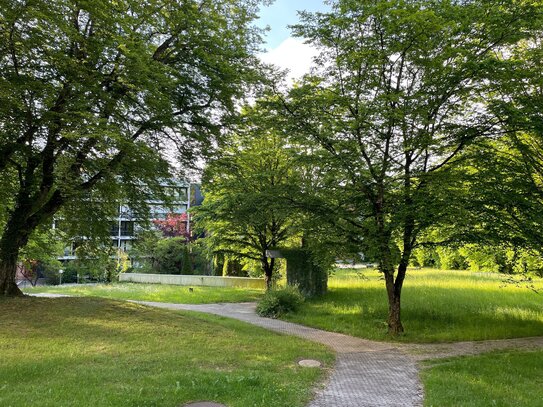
(367, 373)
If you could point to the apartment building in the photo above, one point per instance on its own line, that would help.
(124, 227)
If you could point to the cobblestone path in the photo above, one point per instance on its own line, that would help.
(366, 373)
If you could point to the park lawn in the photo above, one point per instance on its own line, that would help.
(437, 306)
(98, 352)
(504, 378)
(155, 292)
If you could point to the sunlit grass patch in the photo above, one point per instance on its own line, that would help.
(156, 292)
(96, 352)
(437, 306)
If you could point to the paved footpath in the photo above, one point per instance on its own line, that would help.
(366, 374)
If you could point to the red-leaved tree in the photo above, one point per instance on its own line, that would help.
(174, 225)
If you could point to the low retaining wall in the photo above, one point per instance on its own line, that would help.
(211, 281)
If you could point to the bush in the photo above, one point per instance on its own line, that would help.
(426, 257)
(170, 255)
(451, 259)
(201, 259)
(187, 261)
(279, 302)
(51, 274)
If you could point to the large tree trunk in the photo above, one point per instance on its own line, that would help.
(8, 268)
(394, 321)
(14, 238)
(394, 285)
(394, 289)
(8, 287)
(394, 292)
(386, 266)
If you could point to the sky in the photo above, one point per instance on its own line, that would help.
(283, 49)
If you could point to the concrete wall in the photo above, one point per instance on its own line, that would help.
(212, 281)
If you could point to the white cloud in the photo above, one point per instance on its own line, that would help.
(291, 54)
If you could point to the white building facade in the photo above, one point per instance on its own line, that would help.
(125, 226)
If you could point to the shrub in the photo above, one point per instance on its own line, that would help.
(279, 302)
(451, 259)
(201, 259)
(187, 261)
(169, 255)
(50, 272)
(95, 262)
(426, 257)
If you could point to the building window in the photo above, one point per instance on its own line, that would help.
(127, 228)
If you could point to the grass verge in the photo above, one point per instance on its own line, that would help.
(155, 292)
(437, 306)
(96, 352)
(495, 379)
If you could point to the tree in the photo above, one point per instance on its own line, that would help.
(399, 90)
(44, 246)
(172, 256)
(244, 211)
(175, 225)
(91, 92)
(97, 261)
(510, 175)
(144, 250)
(504, 177)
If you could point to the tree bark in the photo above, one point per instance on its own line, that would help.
(8, 269)
(16, 233)
(386, 266)
(8, 287)
(394, 289)
(394, 320)
(394, 286)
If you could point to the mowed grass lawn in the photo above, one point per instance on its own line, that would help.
(437, 306)
(505, 378)
(155, 292)
(98, 352)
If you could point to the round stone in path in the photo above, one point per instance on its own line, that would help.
(309, 363)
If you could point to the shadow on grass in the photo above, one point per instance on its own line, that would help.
(502, 378)
(95, 352)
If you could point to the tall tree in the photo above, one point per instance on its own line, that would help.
(244, 211)
(521, 107)
(92, 91)
(506, 177)
(397, 93)
(175, 225)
